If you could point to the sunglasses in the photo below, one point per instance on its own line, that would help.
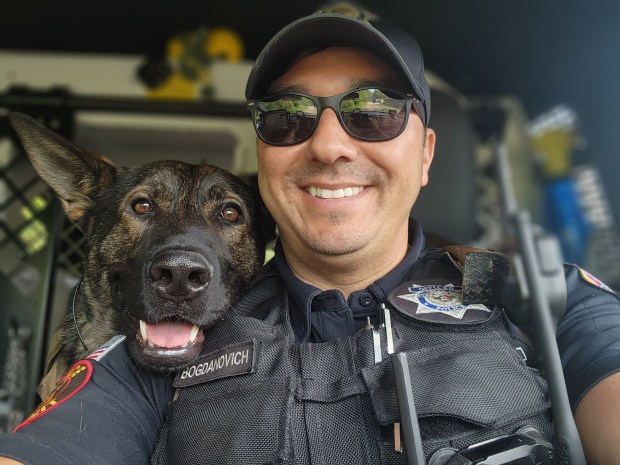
(369, 113)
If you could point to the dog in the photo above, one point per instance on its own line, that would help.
(171, 246)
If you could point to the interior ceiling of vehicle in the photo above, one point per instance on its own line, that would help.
(546, 53)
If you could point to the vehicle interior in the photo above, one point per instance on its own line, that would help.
(122, 90)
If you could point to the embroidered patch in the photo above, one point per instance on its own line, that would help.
(594, 281)
(438, 304)
(230, 361)
(106, 347)
(72, 382)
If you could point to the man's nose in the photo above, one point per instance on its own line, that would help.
(330, 141)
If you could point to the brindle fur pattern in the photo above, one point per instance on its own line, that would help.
(188, 200)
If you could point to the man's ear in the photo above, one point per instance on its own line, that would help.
(427, 154)
(75, 175)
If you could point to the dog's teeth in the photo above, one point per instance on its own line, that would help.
(145, 338)
(193, 333)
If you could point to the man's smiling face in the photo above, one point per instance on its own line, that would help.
(334, 194)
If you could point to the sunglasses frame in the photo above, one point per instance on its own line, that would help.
(333, 102)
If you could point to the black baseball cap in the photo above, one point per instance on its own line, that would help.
(321, 30)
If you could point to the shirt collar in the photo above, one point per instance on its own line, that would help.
(302, 294)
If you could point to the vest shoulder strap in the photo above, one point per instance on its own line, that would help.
(484, 273)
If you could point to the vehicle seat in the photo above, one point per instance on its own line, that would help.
(446, 207)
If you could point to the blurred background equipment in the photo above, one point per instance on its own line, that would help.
(14, 387)
(553, 138)
(577, 208)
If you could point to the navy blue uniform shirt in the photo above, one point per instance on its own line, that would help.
(321, 316)
(116, 416)
(588, 333)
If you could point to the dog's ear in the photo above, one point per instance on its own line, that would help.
(75, 175)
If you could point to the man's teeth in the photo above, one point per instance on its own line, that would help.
(334, 194)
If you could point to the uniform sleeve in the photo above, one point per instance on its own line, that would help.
(109, 411)
(588, 334)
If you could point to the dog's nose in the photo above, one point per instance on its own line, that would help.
(180, 275)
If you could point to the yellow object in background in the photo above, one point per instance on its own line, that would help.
(553, 136)
(189, 55)
(555, 148)
(225, 44)
(176, 87)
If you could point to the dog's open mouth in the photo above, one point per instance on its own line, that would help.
(168, 344)
(169, 334)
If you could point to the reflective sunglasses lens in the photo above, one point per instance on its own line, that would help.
(373, 114)
(285, 119)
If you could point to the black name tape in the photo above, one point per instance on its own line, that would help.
(229, 361)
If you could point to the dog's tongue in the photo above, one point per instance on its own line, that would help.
(169, 334)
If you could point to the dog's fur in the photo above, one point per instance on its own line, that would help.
(165, 248)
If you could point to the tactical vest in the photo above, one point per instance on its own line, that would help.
(256, 397)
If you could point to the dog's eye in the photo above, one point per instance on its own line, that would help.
(142, 206)
(230, 214)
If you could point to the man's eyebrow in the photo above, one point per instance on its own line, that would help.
(368, 83)
(286, 89)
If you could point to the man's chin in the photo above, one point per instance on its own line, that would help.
(335, 245)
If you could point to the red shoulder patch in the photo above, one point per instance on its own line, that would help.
(73, 381)
(594, 281)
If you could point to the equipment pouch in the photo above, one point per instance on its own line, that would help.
(465, 391)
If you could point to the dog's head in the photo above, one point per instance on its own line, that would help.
(170, 245)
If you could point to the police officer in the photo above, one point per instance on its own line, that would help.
(298, 372)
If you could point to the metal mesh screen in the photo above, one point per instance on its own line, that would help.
(23, 196)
